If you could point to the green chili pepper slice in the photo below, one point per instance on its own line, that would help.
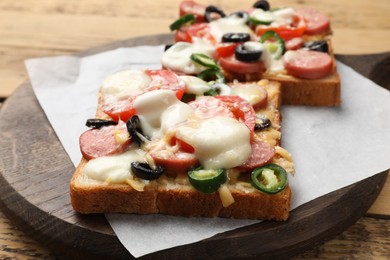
(207, 181)
(276, 48)
(211, 92)
(270, 178)
(188, 18)
(204, 60)
(212, 74)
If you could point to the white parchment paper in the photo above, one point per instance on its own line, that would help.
(332, 147)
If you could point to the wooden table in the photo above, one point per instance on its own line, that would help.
(31, 28)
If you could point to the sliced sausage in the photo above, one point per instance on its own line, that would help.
(308, 64)
(316, 22)
(262, 153)
(96, 143)
(231, 64)
(295, 43)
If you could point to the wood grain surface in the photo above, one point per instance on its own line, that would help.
(36, 28)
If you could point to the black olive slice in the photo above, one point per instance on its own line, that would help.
(143, 171)
(134, 128)
(262, 4)
(241, 14)
(236, 37)
(321, 46)
(99, 123)
(210, 10)
(245, 55)
(262, 123)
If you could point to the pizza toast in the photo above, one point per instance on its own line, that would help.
(289, 45)
(174, 192)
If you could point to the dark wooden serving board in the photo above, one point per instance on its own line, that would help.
(35, 175)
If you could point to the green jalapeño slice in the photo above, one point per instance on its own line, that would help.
(207, 181)
(270, 178)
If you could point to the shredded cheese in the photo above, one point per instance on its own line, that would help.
(225, 195)
(136, 184)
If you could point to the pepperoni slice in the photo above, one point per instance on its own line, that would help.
(316, 22)
(308, 64)
(233, 65)
(208, 106)
(96, 143)
(262, 153)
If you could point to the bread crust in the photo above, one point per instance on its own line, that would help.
(175, 196)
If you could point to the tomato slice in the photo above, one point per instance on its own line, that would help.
(241, 109)
(166, 79)
(190, 7)
(173, 161)
(183, 146)
(285, 31)
(209, 106)
(200, 30)
(226, 49)
(181, 35)
(161, 79)
(122, 110)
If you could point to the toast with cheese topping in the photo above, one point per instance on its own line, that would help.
(108, 183)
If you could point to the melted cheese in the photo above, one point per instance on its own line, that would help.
(177, 57)
(229, 24)
(195, 85)
(284, 16)
(159, 111)
(250, 92)
(113, 168)
(272, 64)
(219, 142)
(125, 83)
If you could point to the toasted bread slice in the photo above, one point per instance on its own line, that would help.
(176, 196)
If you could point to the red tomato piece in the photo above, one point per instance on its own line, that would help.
(226, 49)
(200, 30)
(208, 106)
(182, 36)
(233, 65)
(183, 146)
(120, 110)
(308, 64)
(166, 79)
(161, 79)
(173, 162)
(190, 7)
(96, 143)
(241, 109)
(286, 31)
(262, 153)
(316, 22)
